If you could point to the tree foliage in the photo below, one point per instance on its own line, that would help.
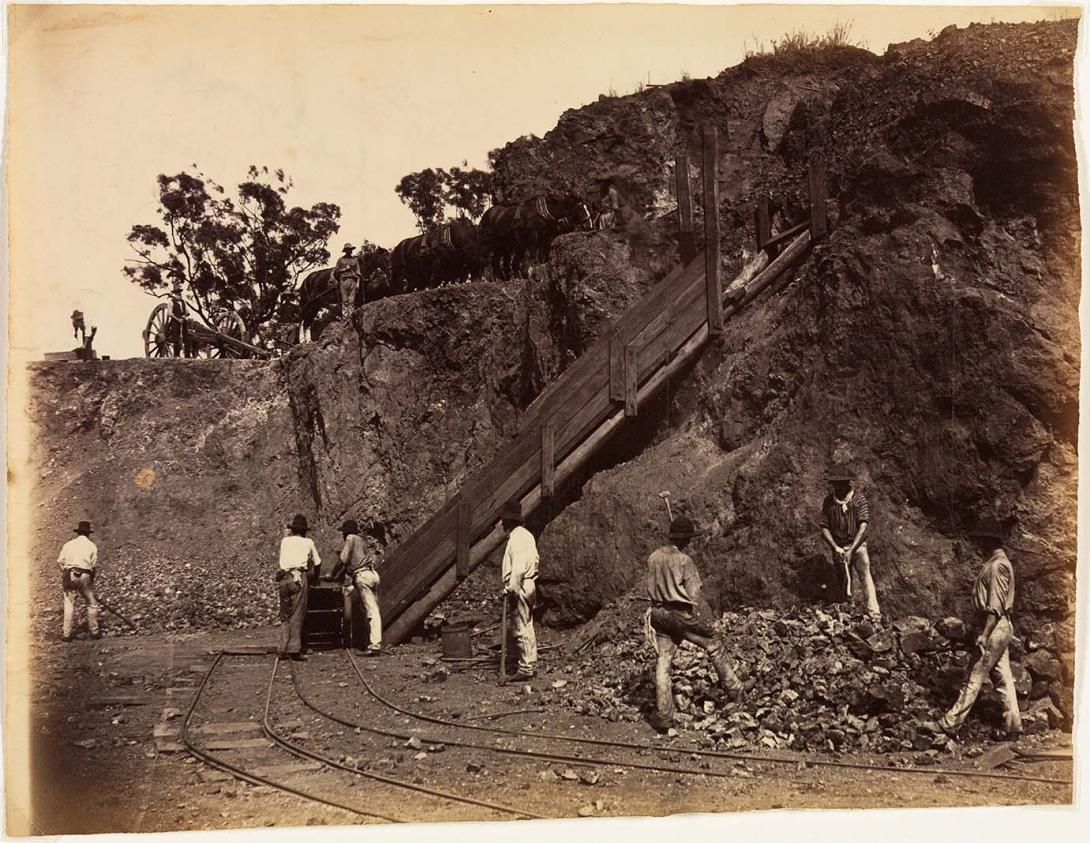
(430, 194)
(241, 253)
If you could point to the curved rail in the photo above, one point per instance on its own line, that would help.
(244, 775)
(704, 753)
(303, 752)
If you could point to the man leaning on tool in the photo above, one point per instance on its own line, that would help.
(297, 553)
(78, 559)
(360, 564)
(845, 519)
(993, 599)
(519, 573)
(679, 613)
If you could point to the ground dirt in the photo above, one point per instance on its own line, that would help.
(77, 740)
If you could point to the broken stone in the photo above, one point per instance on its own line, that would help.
(548, 776)
(474, 767)
(414, 743)
(569, 775)
(953, 629)
(589, 777)
(1043, 665)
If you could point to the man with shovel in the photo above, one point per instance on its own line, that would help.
(78, 559)
(519, 574)
(845, 517)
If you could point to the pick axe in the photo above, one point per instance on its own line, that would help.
(666, 499)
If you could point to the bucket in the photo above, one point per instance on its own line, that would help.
(457, 641)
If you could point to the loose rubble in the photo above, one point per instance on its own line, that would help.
(817, 679)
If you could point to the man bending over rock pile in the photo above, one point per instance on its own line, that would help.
(679, 613)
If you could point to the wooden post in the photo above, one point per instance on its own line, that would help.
(616, 369)
(764, 224)
(464, 538)
(711, 230)
(548, 457)
(819, 192)
(686, 242)
(631, 385)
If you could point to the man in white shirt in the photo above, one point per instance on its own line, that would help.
(519, 573)
(297, 554)
(78, 559)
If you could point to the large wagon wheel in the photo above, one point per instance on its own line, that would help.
(229, 324)
(162, 335)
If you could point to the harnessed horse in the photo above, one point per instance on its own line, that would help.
(319, 296)
(511, 232)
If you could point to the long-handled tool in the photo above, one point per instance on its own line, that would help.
(847, 573)
(503, 642)
(114, 611)
(666, 499)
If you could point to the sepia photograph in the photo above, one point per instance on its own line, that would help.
(468, 414)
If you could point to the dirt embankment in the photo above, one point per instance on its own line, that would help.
(932, 340)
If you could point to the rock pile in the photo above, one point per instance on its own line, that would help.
(818, 679)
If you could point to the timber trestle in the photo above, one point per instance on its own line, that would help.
(579, 411)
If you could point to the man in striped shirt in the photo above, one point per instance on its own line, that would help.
(845, 518)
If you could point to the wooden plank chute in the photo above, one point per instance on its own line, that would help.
(548, 458)
(685, 235)
(465, 537)
(711, 231)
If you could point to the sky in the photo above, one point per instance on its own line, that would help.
(347, 99)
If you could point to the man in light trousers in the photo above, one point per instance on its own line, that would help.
(519, 573)
(78, 559)
(297, 554)
(360, 564)
(993, 599)
(845, 520)
(679, 612)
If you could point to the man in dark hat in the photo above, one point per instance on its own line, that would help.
(845, 517)
(346, 275)
(297, 554)
(993, 599)
(519, 572)
(679, 613)
(359, 562)
(78, 559)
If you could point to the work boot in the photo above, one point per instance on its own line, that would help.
(66, 638)
(371, 653)
(522, 677)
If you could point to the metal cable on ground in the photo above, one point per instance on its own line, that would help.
(317, 756)
(242, 774)
(705, 753)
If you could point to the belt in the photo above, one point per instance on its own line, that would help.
(80, 571)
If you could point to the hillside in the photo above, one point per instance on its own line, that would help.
(932, 340)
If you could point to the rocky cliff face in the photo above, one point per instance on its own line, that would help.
(932, 340)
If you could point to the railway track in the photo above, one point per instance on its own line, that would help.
(386, 719)
(394, 787)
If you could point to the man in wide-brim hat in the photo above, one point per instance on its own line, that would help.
(992, 601)
(845, 519)
(519, 575)
(347, 276)
(679, 613)
(78, 559)
(297, 554)
(359, 562)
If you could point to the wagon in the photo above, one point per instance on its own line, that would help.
(170, 332)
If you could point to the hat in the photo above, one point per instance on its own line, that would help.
(77, 314)
(349, 527)
(299, 524)
(84, 528)
(512, 511)
(348, 247)
(840, 473)
(682, 528)
(988, 528)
